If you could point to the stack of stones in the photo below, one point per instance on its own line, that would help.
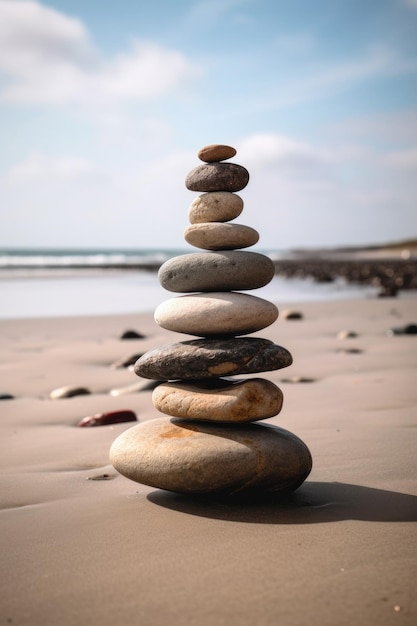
(209, 444)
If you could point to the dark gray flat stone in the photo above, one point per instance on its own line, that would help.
(217, 177)
(216, 271)
(207, 358)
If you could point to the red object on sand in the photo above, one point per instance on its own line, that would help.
(103, 419)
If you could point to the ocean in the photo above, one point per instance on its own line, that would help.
(55, 283)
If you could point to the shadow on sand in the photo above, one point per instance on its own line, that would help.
(312, 503)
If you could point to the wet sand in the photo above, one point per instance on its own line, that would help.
(83, 545)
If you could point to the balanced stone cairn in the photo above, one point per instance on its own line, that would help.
(209, 444)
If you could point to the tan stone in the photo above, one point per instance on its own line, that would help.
(216, 313)
(219, 400)
(216, 152)
(215, 206)
(220, 236)
(199, 457)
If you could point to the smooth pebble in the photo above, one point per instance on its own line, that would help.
(216, 271)
(207, 358)
(216, 152)
(202, 458)
(104, 419)
(217, 206)
(68, 392)
(216, 313)
(220, 236)
(217, 177)
(219, 400)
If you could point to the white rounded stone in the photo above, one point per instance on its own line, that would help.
(216, 313)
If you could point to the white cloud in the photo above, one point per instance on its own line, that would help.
(145, 72)
(273, 150)
(48, 57)
(38, 167)
(299, 194)
(303, 194)
(32, 35)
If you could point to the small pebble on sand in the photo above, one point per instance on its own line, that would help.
(104, 419)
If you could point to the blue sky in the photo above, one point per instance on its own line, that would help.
(104, 106)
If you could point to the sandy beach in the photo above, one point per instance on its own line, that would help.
(83, 545)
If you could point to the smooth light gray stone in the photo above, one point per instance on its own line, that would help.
(220, 236)
(216, 271)
(216, 313)
(217, 177)
(217, 206)
(219, 399)
(201, 458)
(208, 358)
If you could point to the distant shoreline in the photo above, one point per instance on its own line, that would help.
(391, 267)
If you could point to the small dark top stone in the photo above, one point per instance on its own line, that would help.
(217, 177)
(207, 358)
(216, 152)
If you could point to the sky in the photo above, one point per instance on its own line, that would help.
(104, 106)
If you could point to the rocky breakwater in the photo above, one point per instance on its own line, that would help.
(209, 443)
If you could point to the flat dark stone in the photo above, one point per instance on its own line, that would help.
(409, 329)
(217, 177)
(208, 358)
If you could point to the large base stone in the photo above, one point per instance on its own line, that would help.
(200, 458)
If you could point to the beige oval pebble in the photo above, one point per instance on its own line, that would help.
(219, 400)
(216, 152)
(216, 313)
(220, 236)
(197, 457)
(215, 206)
(68, 392)
(347, 334)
